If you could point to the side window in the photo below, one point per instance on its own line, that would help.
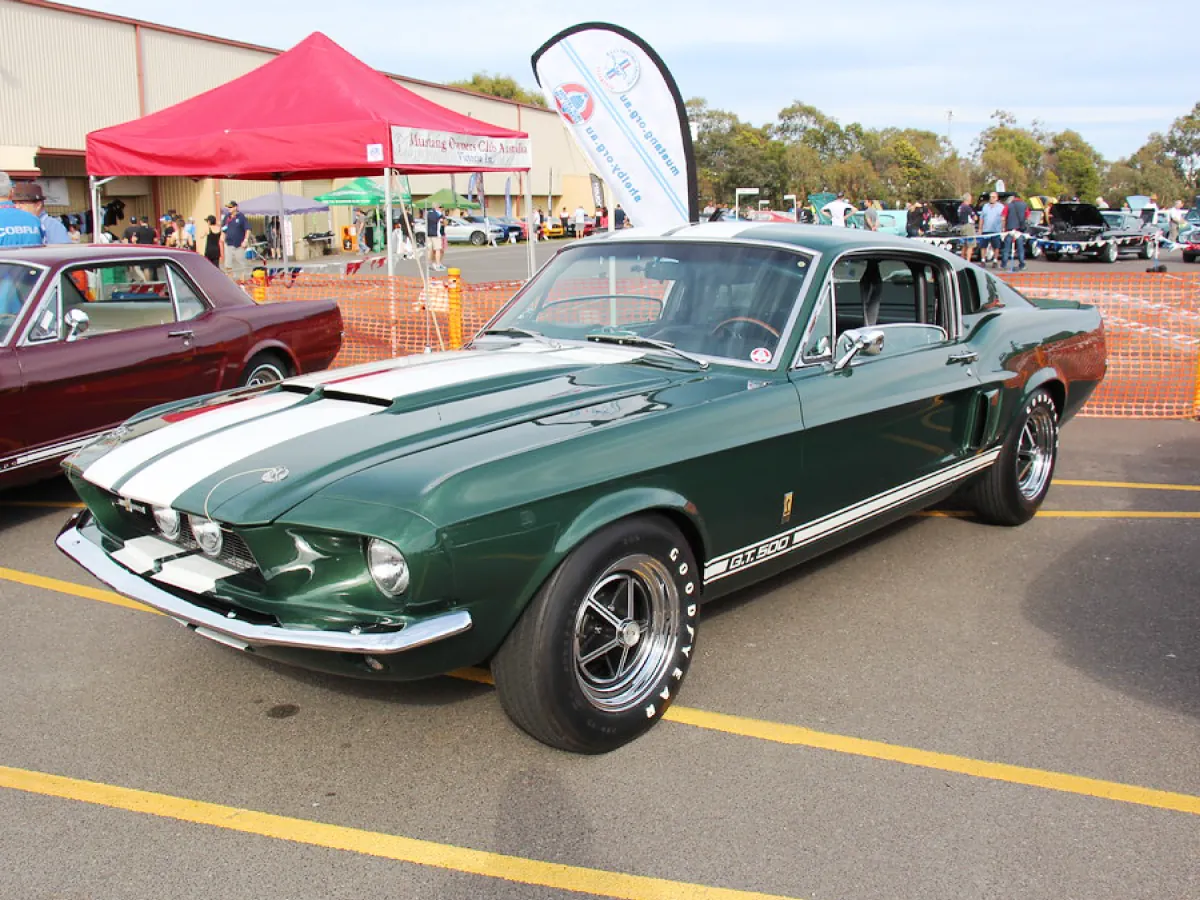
(968, 289)
(880, 291)
(119, 296)
(188, 303)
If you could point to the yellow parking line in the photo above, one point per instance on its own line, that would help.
(69, 587)
(778, 733)
(517, 869)
(1133, 485)
(797, 735)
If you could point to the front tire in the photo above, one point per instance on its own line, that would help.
(1189, 257)
(1051, 256)
(1110, 252)
(601, 651)
(478, 238)
(1149, 250)
(1012, 490)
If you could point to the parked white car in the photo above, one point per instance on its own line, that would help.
(460, 231)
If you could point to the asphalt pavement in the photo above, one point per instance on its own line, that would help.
(944, 710)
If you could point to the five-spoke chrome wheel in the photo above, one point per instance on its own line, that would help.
(626, 632)
(1035, 452)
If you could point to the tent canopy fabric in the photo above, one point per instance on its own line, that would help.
(315, 111)
(448, 200)
(268, 205)
(359, 192)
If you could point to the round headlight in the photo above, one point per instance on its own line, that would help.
(387, 566)
(167, 521)
(207, 534)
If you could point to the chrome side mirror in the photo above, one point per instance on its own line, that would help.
(77, 323)
(868, 343)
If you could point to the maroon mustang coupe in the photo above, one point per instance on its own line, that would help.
(91, 334)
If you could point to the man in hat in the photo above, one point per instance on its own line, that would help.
(27, 195)
(236, 232)
(18, 228)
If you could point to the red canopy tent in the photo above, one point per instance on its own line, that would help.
(314, 111)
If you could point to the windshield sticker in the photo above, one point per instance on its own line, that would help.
(760, 355)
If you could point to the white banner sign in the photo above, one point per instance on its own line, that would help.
(422, 147)
(55, 190)
(621, 108)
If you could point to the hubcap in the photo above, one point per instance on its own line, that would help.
(264, 375)
(1035, 453)
(625, 632)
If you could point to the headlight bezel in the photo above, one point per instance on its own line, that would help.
(380, 556)
(204, 531)
(170, 533)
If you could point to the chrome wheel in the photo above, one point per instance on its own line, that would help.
(1035, 452)
(626, 632)
(265, 373)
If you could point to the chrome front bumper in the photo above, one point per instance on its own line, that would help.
(246, 635)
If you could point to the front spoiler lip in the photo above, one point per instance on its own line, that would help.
(74, 544)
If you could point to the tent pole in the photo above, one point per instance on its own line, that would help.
(282, 243)
(387, 223)
(96, 223)
(529, 215)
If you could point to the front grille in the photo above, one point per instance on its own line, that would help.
(139, 518)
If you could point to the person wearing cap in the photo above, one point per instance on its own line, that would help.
(236, 232)
(18, 228)
(28, 195)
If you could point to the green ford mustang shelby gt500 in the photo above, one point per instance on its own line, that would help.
(655, 420)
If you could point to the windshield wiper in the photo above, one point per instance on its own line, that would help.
(633, 339)
(511, 331)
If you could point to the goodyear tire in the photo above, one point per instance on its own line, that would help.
(1013, 489)
(601, 651)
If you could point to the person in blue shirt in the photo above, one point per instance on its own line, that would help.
(28, 196)
(236, 231)
(18, 228)
(991, 219)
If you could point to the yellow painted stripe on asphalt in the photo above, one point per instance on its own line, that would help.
(1133, 485)
(77, 590)
(517, 869)
(796, 735)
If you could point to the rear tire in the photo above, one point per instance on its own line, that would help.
(1189, 257)
(264, 368)
(1012, 490)
(478, 238)
(634, 588)
(1051, 256)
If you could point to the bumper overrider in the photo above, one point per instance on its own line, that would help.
(80, 540)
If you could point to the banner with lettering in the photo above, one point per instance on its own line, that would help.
(423, 147)
(619, 101)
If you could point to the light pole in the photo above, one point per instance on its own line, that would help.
(738, 193)
(795, 209)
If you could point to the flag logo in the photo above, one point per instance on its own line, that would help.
(574, 103)
(621, 73)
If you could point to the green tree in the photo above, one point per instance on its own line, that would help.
(1182, 143)
(1073, 166)
(504, 86)
(1009, 152)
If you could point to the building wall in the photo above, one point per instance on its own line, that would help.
(57, 113)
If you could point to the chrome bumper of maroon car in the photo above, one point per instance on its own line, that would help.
(246, 635)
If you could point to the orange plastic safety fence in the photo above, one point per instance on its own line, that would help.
(1152, 328)
(1152, 323)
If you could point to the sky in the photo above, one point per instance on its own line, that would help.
(878, 63)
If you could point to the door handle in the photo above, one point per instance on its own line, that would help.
(187, 335)
(963, 357)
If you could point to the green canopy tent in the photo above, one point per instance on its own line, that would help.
(362, 192)
(447, 199)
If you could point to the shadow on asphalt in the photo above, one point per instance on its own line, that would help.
(1125, 605)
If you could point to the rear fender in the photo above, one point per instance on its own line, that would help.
(277, 347)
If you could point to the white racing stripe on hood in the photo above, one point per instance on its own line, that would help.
(404, 381)
(163, 481)
(123, 459)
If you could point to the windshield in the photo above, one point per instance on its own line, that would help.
(17, 281)
(724, 301)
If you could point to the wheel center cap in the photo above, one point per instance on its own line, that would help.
(629, 634)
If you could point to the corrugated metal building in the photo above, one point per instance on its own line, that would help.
(44, 121)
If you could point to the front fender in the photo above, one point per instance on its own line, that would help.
(622, 504)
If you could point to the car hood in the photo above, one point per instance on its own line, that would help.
(947, 209)
(1078, 215)
(246, 459)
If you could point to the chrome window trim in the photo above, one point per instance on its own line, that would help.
(11, 338)
(27, 339)
(954, 314)
(814, 259)
(175, 272)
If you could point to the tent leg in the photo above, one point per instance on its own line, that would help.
(282, 215)
(97, 225)
(531, 218)
(387, 222)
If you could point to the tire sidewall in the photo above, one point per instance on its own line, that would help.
(1008, 456)
(653, 536)
(263, 362)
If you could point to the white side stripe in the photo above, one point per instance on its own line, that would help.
(729, 563)
(163, 481)
(124, 458)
